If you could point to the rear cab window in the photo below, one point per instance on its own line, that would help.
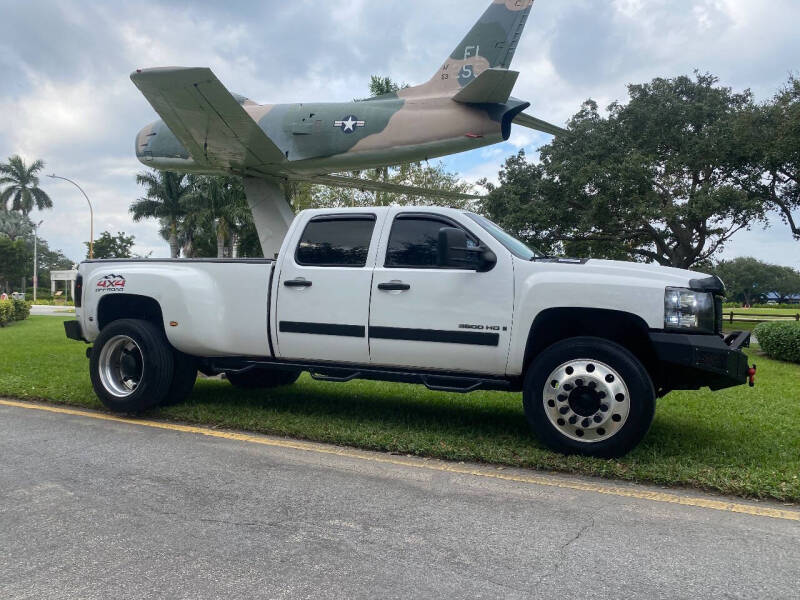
(336, 241)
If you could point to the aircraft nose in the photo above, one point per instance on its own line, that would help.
(144, 139)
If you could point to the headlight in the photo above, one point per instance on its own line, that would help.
(686, 309)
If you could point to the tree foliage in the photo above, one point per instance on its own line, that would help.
(22, 191)
(768, 137)
(14, 225)
(422, 175)
(380, 86)
(656, 179)
(112, 246)
(14, 258)
(217, 214)
(165, 199)
(749, 280)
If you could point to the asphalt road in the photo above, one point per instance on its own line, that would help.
(102, 509)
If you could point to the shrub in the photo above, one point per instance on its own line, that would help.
(13, 310)
(780, 341)
(6, 312)
(22, 310)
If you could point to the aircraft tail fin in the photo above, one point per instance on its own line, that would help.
(490, 44)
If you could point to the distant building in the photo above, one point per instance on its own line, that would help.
(774, 297)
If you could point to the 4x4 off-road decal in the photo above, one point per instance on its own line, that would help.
(111, 283)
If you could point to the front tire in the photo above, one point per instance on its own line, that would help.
(589, 396)
(262, 378)
(131, 366)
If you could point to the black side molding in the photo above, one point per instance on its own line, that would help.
(323, 329)
(473, 338)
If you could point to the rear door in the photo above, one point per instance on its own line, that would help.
(323, 289)
(427, 317)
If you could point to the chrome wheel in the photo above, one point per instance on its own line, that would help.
(586, 400)
(121, 366)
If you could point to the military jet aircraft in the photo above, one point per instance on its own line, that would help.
(467, 104)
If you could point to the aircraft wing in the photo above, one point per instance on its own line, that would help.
(537, 124)
(206, 118)
(380, 186)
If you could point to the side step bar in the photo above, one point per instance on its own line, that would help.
(440, 382)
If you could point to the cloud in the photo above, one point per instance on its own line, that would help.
(66, 96)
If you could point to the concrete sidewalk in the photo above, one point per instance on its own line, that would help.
(57, 311)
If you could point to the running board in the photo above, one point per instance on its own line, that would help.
(440, 382)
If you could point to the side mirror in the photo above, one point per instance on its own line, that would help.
(455, 252)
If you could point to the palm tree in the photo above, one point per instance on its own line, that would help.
(15, 226)
(219, 203)
(23, 186)
(165, 197)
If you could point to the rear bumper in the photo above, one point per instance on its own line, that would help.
(690, 362)
(74, 331)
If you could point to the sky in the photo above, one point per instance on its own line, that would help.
(66, 96)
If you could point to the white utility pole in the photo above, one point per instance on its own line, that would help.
(35, 259)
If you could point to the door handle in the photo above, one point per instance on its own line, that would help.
(297, 283)
(394, 286)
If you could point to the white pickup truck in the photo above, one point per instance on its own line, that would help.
(434, 296)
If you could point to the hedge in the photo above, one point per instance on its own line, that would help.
(780, 341)
(13, 310)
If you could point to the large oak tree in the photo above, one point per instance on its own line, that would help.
(655, 179)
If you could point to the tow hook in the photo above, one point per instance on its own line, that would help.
(751, 375)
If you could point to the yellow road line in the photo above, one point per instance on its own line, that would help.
(748, 509)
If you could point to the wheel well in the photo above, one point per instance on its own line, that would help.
(129, 306)
(626, 329)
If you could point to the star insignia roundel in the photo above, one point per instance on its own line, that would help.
(349, 124)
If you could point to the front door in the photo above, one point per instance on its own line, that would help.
(428, 317)
(323, 291)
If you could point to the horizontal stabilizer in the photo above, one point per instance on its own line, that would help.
(537, 124)
(493, 86)
(206, 118)
(380, 186)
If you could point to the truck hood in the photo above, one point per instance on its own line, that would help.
(622, 269)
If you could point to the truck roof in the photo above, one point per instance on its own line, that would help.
(381, 209)
(180, 260)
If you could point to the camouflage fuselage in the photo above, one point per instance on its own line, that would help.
(321, 138)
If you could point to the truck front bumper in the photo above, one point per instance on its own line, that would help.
(690, 362)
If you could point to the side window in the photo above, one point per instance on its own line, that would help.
(414, 242)
(336, 241)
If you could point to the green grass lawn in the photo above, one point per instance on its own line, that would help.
(740, 441)
(762, 311)
(728, 327)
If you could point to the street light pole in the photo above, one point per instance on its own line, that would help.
(91, 213)
(35, 259)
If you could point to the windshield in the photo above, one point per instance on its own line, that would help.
(516, 247)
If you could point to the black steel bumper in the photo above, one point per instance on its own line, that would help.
(690, 362)
(74, 331)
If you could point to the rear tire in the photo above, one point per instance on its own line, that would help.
(262, 378)
(183, 378)
(589, 396)
(131, 366)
